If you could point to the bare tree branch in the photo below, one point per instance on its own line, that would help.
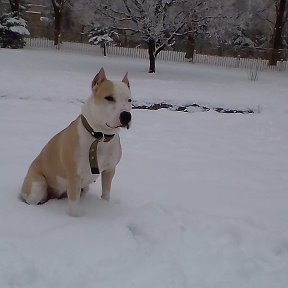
(158, 22)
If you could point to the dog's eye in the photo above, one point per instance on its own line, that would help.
(110, 98)
(129, 100)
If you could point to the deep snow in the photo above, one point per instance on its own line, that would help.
(199, 199)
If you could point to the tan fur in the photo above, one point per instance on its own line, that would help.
(63, 166)
(99, 92)
(62, 148)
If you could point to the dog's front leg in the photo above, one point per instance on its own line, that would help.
(73, 194)
(106, 179)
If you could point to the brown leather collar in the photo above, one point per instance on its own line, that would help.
(97, 135)
(93, 161)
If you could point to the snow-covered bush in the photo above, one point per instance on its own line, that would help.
(242, 39)
(102, 36)
(13, 29)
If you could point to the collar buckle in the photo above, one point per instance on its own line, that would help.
(97, 135)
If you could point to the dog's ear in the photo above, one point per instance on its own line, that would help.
(99, 78)
(126, 81)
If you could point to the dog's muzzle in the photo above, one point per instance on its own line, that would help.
(125, 118)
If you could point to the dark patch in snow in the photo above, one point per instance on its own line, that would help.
(24, 98)
(222, 110)
(133, 229)
(191, 108)
(281, 249)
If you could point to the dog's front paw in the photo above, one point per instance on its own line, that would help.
(105, 197)
(73, 209)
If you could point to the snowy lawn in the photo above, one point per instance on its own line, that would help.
(199, 199)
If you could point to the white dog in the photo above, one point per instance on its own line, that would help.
(88, 147)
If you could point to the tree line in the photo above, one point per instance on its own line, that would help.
(161, 24)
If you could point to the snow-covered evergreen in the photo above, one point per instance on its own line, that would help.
(13, 29)
(100, 35)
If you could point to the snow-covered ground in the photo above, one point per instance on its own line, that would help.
(199, 199)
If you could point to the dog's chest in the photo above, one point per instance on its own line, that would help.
(108, 155)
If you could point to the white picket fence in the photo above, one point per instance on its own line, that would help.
(66, 46)
(172, 56)
(246, 63)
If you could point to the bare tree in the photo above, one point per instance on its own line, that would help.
(205, 20)
(58, 6)
(281, 19)
(270, 16)
(156, 22)
(151, 20)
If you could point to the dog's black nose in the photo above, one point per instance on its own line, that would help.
(125, 118)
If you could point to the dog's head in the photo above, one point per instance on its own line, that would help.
(110, 103)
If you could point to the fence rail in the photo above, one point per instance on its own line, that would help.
(173, 56)
(67, 46)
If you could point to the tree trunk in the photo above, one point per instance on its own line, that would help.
(104, 49)
(152, 58)
(277, 34)
(190, 47)
(57, 27)
(14, 4)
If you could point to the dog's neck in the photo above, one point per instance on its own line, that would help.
(96, 134)
(96, 126)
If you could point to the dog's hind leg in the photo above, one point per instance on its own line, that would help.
(34, 188)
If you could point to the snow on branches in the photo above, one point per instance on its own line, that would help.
(158, 22)
(13, 29)
(100, 35)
